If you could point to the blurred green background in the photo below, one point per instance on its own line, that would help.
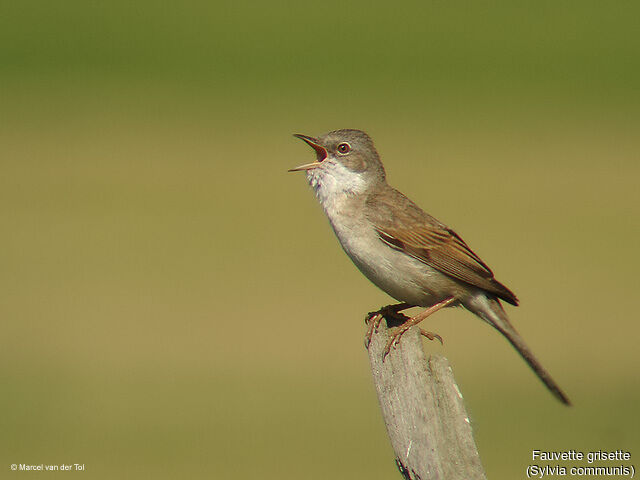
(174, 304)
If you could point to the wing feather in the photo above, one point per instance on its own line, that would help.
(434, 244)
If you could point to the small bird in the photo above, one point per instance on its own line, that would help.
(404, 251)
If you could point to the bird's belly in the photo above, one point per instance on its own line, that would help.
(399, 275)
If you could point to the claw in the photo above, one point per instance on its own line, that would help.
(369, 316)
(393, 341)
(373, 321)
(431, 336)
(390, 344)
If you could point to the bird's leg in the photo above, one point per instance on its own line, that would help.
(414, 321)
(373, 319)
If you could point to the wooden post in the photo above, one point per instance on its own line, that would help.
(423, 410)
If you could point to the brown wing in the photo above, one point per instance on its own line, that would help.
(432, 243)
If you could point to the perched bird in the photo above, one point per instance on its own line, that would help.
(401, 249)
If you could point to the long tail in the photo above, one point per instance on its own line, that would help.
(490, 310)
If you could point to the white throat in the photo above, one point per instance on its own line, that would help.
(333, 183)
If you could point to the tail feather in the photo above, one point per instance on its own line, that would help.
(490, 310)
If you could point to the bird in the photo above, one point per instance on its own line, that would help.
(404, 251)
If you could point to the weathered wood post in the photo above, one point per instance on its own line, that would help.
(423, 410)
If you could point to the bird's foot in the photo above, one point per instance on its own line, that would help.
(389, 312)
(373, 322)
(401, 330)
(431, 336)
(395, 337)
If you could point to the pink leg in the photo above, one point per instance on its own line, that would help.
(373, 319)
(414, 321)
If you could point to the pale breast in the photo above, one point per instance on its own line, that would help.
(404, 278)
(342, 196)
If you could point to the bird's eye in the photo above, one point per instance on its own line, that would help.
(344, 148)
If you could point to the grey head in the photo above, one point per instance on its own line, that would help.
(346, 160)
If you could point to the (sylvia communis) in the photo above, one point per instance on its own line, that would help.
(403, 250)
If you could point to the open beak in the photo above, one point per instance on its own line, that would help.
(321, 153)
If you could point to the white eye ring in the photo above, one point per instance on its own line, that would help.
(344, 148)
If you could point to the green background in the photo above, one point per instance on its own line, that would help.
(173, 303)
